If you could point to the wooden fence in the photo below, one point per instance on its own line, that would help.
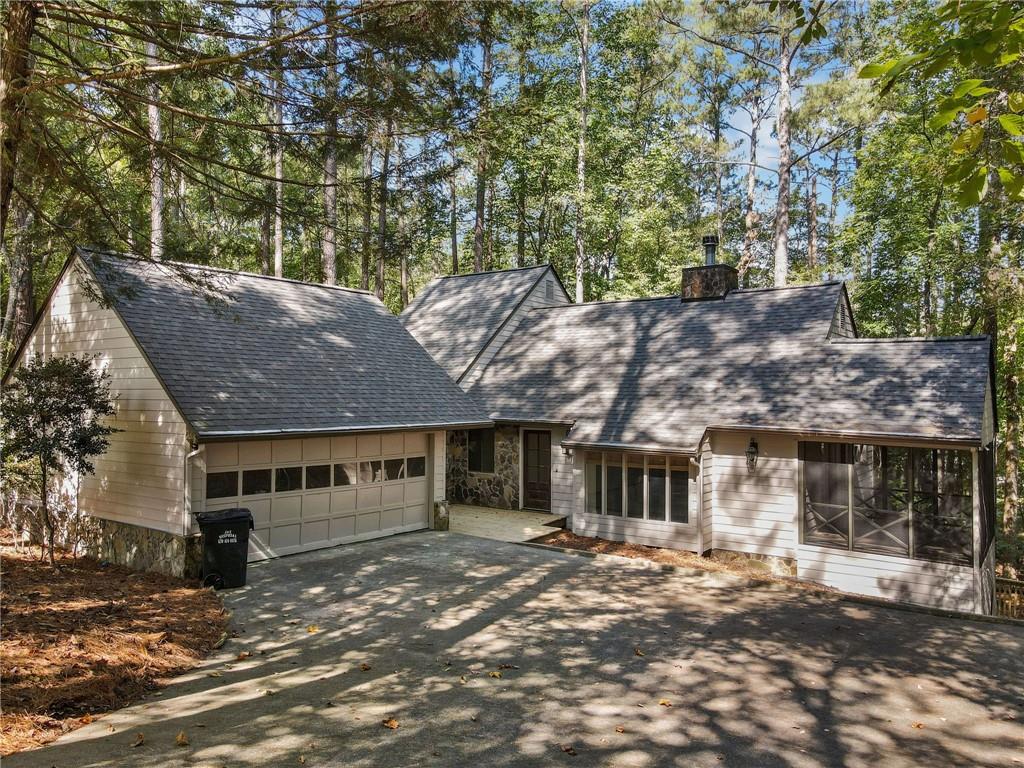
(1010, 598)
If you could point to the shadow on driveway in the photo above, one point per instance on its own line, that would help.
(494, 654)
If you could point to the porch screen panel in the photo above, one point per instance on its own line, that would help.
(987, 485)
(881, 496)
(943, 508)
(826, 494)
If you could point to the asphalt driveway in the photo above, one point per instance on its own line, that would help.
(484, 653)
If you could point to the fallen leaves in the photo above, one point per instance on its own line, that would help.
(390, 723)
(140, 739)
(312, 629)
(637, 652)
(665, 703)
(181, 739)
(494, 674)
(569, 749)
(86, 719)
(365, 667)
(244, 655)
(619, 729)
(215, 674)
(917, 725)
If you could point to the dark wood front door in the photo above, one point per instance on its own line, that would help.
(537, 470)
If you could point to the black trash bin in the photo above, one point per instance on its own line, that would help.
(225, 546)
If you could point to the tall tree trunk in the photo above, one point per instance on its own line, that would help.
(521, 170)
(266, 230)
(581, 152)
(156, 163)
(812, 221)
(1013, 525)
(15, 69)
(928, 290)
(781, 238)
(483, 130)
(382, 208)
(330, 245)
(750, 218)
(20, 312)
(364, 275)
(833, 214)
(278, 150)
(717, 138)
(453, 207)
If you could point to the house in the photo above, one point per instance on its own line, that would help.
(736, 422)
(310, 405)
(750, 423)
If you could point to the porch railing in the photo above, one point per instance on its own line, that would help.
(1010, 598)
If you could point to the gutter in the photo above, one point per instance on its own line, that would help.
(262, 434)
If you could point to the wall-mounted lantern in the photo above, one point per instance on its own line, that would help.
(752, 454)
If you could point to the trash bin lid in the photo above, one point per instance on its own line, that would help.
(221, 516)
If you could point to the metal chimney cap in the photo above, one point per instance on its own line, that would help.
(710, 247)
(709, 240)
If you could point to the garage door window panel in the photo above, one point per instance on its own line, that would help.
(255, 482)
(394, 469)
(370, 471)
(416, 466)
(287, 479)
(346, 473)
(318, 476)
(222, 485)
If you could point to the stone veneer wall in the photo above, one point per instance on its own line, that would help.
(144, 549)
(500, 489)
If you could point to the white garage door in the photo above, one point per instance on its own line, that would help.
(319, 492)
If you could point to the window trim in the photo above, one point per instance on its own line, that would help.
(664, 460)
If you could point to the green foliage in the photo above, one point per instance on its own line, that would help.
(52, 421)
(979, 46)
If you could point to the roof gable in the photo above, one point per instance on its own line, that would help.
(245, 354)
(456, 317)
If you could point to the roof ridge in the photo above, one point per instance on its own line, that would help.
(908, 339)
(493, 271)
(822, 284)
(206, 268)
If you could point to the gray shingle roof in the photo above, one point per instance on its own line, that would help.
(277, 355)
(454, 317)
(658, 372)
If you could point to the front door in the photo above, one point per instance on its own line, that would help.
(537, 470)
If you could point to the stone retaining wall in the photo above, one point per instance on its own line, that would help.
(144, 549)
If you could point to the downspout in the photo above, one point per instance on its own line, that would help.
(186, 524)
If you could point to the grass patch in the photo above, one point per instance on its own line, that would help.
(85, 639)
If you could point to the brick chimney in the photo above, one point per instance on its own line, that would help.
(713, 280)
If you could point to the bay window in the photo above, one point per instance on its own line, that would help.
(889, 500)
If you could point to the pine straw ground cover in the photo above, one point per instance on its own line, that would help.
(86, 638)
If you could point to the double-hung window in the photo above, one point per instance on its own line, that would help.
(481, 450)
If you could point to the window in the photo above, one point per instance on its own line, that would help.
(635, 487)
(369, 471)
(255, 481)
(345, 474)
(416, 466)
(680, 506)
(394, 469)
(906, 502)
(656, 487)
(220, 485)
(826, 494)
(481, 450)
(595, 505)
(318, 476)
(613, 483)
(287, 479)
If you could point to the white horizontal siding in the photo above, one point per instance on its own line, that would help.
(754, 511)
(707, 507)
(563, 480)
(912, 581)
(141, 478)
(651, 533)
